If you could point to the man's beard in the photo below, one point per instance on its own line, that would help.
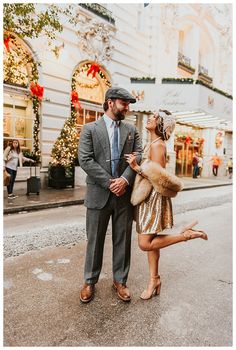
(119, 115)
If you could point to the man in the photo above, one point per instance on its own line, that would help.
(230, 167)
(102, 146)
(195, 165)
(216, 161)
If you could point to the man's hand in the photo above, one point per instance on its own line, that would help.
(118, 186)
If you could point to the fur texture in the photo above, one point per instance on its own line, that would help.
(163, 182)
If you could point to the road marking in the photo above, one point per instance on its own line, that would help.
(63, 261)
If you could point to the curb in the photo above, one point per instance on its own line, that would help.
(206, 186)
(42, 206)
(81, 201)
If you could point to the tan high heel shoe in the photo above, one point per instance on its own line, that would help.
(191, 234)
(155, 289)
(189, 226)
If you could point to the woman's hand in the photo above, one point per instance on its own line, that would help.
(131, 159)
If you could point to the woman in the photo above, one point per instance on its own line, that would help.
(12, 157)
(154, 214)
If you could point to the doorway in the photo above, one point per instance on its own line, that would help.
(184, 156)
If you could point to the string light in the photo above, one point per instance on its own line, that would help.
(20, 69)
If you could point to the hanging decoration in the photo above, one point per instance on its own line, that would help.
(36, 101)
(87, 86)
(94, 69)
(75, 100)
(7, 40)
(36, 90)
(218, 139)
(188, 140)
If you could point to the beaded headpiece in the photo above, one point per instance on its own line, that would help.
(166, 123)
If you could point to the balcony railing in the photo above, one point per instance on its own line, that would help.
(184, 63)
(100, 11)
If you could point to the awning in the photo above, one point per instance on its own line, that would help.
(202, 120)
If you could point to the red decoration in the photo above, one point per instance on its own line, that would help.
(36, 90)
(218, 139)
(6, 43)
(75, 100)
(94, 69)
(187, 140)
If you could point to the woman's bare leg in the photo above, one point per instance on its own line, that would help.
(154, 281)
(153, 261)
(149, 242)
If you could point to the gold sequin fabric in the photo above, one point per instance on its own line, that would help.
(154, 214)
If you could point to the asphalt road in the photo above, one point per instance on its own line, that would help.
(42, 308)
(27, 231)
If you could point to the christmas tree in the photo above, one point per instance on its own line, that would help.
(64, 151)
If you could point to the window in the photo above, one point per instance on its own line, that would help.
(17, 121)
(91, 91)
(87, 116)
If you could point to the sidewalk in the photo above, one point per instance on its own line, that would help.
(51, 198)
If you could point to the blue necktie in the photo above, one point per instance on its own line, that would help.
(115, 151)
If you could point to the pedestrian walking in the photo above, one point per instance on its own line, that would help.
(154, 217)
(230, 167)
(200, 165)
(216, 161)
(195, 165)
(102, 146)
(12, 158)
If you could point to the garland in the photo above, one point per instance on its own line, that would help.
(36, 108)
(197, 81)
(16, 61)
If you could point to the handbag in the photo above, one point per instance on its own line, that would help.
(6, 178)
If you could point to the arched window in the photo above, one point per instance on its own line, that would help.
(17, 108)
(91, 91)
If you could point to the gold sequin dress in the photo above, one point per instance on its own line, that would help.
(154, 214)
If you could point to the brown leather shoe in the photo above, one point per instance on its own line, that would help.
(87, 293)
(122, 291)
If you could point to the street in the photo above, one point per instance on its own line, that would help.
(41, 303)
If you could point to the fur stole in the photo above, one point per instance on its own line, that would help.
(156, 177)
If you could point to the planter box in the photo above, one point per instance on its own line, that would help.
(164, 81)
(60, 177)
(142, 81)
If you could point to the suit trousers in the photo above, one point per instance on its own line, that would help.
(121, 213)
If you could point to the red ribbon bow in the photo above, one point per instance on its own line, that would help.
(94, 69)
(6, 43)
(187, 140)
(75, 100)
(36, 90)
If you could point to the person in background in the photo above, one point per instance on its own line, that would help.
(11, 159)
(200, 165)
(216, 161)
(230, 167)
(195, 165)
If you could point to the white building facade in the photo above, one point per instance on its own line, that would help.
(183, 52)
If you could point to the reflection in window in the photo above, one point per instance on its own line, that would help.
(17, 121)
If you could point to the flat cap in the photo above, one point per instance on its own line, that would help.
(117, 92)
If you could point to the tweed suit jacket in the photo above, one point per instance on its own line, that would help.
(94, 154)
